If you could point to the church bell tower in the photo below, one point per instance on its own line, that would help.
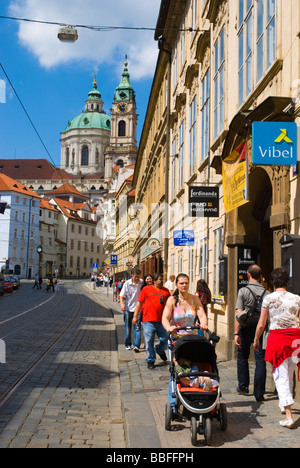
(122, 149)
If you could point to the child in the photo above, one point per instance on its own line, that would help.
(184, 366)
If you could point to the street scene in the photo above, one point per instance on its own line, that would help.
(150, 226)
(82, 388)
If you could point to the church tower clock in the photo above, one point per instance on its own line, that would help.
(122, 149)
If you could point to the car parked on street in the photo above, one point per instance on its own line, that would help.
(2, 285)
(8, 284)
(16, 281)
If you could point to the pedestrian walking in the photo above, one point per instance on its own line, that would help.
(245, 332)
(129, 296)
(40, 282)
(282, 309)
(36, 282)
(204, 293)
(170, 284)
(154, 298)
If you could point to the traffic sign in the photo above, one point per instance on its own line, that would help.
(114, 259)
(95, 265)
(108, 269)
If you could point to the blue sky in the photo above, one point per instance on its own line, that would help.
(53, 79)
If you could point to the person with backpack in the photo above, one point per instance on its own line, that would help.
(248, 307)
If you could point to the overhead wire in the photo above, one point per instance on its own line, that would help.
(91, 27)
(28, 116)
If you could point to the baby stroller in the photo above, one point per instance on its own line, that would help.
(200, 406)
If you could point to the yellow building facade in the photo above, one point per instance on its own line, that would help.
(222, 65)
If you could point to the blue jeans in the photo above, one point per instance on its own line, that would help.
(247, 337)
(149, 330)
(128, 316)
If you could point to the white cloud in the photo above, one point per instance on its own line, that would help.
(93, 47)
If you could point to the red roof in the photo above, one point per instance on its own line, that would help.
(20, 169)
(66, 189)
(7, 184)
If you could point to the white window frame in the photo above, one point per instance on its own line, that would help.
(219, 84)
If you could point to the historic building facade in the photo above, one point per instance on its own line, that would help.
(222, 66)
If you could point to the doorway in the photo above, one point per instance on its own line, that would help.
(254, 221)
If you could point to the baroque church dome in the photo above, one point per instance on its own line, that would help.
(93, 116)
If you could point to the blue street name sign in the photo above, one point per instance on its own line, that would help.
(274, 143)
(184, 238)
(114, 259)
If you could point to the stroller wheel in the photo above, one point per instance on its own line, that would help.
(223, 417)
(168, 417)
(193, 430)
(207, 431)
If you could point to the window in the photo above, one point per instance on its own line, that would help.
(191, 268)
(175, 68)
(203, 259)
(85, 156)
(257, 43)
(67, 157)
(181, 154)
(180, 261)
(193, 110)
(205, 116)
(219, 85)
(173, 169)
(218, 250)
(194, 16)
(122, 128)
(182, 45)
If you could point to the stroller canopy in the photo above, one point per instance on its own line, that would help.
(196, 349)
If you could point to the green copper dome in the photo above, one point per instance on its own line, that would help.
(94, 116)
(89, 120)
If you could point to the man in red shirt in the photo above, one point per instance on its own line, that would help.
(154, 298)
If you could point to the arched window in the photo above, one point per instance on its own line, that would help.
(67, 157)
(85, 156)
(122, 128)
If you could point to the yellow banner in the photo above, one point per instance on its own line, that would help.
(235, 178)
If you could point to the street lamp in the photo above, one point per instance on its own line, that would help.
(67, 34)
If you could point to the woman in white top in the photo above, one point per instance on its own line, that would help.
(282, 308)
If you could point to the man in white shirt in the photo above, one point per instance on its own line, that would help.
(128, 300)
(170, 284)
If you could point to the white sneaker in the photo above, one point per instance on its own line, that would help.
(128, 348)
(287, 423)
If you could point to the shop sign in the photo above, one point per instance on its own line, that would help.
(204, 202)
(274, 143)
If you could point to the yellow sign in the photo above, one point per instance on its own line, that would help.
(235, 178)
(107, 261)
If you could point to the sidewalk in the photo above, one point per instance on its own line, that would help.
(144, 396)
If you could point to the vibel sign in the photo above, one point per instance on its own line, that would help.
(274, 143)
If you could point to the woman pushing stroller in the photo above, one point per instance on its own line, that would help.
(182, 310)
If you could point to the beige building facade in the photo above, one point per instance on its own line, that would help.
(222, 65)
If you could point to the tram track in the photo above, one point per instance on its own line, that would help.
(13, 388)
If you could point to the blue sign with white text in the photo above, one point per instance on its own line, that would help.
(274, 143)
(114, 259)
(184, 238)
